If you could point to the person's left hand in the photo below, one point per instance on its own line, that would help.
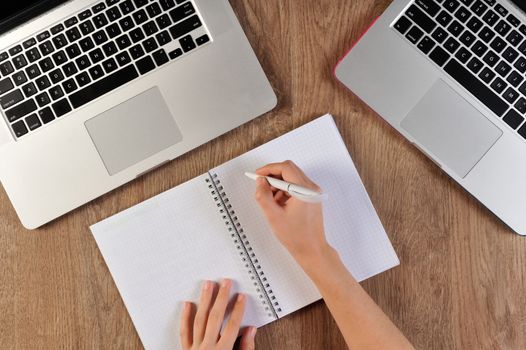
(200, 329)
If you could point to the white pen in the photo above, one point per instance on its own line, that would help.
(296, 191)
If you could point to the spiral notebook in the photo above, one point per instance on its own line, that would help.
(161, 250)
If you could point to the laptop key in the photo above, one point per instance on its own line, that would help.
(160, 57)
(451, 5)
(86, 27)
(73, 34)
(20, 110)
(140, 17)
(11, 99)
(29, 89)
(19, 78)
(60, 58)
(479, 48)
(498, 44)
(61, 107)
(20, 61)
(455, 28)
(190, 24)
(175, 53)
(33, 122)
(499, 85)
(513, 119)
(46, 48)
(83, 79)
(46, 115)
(511, 95)
(164, 38)
(444, 18)
(46, 65)
(521, 105)
(491, 58)
(71, 22)
(69, 86)
(113, 14)
(70, 69)
(439, 56)
(475, 65)
(29, 42)
(56, 29)
(520, 65)
(202, 40)
(109, 49)
(33, 55)
(474, 24)
(502, 28)
(153, 10)
(126, 7)
(462, 14)
(99, 7)
(96, 55)
(503, 69)
(86, 44)
(137, 51)
(467, 38)
(100, 20)
(150, 28)
(6, 85)
(440, 35)
(514, 20)
(479, 8)
(149, 44)
(514, 38)
(73, 51)
(164, 21)
(487, 75)
(140, 3)
(83, 62)
(15, 50)
(414, 13)
(103, 86)
(463, 55)
(450, 45)
(167, 4)
(96, 72)
(429, 6)
(510, 55)
(60, 41)
(19, 128)
(471, 83)
(145, 65)
(84, 14)
(136, 35)
(43, 99)
(56, 92)
(514, 79)
(113, 30)
(43, 82)
(490, 18)
(109, 65)
(6, 68)
(486, 34)
(123, 58)
(126, 23)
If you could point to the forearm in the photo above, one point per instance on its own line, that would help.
(361, 321)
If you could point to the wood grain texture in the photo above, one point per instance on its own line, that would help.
(461, 281)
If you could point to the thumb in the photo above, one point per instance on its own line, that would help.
(265, 198)
(247, 340)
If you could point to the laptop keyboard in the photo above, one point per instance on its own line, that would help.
(478, 43)
(92, 53)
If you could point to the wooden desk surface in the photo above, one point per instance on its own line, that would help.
(461, 281)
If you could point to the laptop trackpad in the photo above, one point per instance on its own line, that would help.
(449, 127)
(133, 131)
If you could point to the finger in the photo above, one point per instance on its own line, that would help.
(265, 198)
(228, 338)
(248, 339)
(201, 317)
(288, 171)
(186, 326)
(281, 197)
(217, 313)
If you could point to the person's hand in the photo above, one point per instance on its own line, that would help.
(200, 329)
(298, 225)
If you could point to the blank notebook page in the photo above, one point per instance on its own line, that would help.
(161, 250)
(352, 225)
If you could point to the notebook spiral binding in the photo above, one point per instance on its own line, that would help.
(239, 238)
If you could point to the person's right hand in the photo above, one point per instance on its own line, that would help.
(298, 225)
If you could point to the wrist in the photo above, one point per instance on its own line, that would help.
(318, 260)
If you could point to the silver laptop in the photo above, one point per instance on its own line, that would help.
(95, 93)
(449, 75)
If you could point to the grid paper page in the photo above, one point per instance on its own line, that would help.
(352, 225)
(161, 250)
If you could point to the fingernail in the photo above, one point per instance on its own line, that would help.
(206, 285)
(185, 306)
(240, 298)
(225, 283)
(253, 331)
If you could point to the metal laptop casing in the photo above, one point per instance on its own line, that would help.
(391, 76)
(209, 92)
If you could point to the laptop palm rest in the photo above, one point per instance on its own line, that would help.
(133, 131)
(451, 129)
